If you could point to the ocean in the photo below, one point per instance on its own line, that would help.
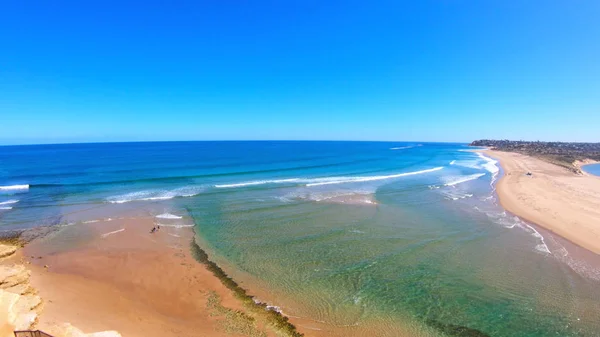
(352, 238)
(592, 169)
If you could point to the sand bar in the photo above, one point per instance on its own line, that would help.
(552, 197)
(118, 276)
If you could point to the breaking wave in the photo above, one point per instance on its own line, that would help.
(341, 197)
(259, 182)
(9, 202)
(463, 179)
(342, 180)
(482, 162)
(168, 216)
(175, 225)
(14, 187)
(491, 166)
(309, 182)
(404, 147)
(155, 195)
(541, 247)
(457, 196)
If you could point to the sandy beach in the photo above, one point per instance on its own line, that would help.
(552, 197)
(117, 276)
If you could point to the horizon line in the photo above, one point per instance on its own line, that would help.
(237, 140)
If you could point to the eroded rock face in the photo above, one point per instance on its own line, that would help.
(20, 289)
(13, 275)
(20, 304)
(17, 312)
(6, 250)
(7, 315)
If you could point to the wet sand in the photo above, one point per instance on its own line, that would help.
(117, 276)
(552, 197)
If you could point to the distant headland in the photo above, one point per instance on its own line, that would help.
(568, 155)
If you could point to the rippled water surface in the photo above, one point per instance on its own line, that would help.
(348, 238)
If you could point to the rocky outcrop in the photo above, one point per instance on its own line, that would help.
(18, 302)
(20, 305)
(13, 275)
(17, 312)
(7, 250)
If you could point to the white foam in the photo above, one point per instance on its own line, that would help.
(274, 308)
(259, 182)
(401, 147)
(91, 221)
(483, 162)
(267, 306)
(356, 231)
(324, 181)
(9, 202)
(510, 221)
(458, 196)
(343, 180)
(168, 216)
(353, 197)
(155, 195)
(490, 164)
(472, 164)
(14, 187)
(175, 225)
(6, 208)
(542, 247)
(113, 232)
(463, 179)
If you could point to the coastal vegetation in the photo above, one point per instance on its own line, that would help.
(275, 319)
(559, 153)
(235, 321)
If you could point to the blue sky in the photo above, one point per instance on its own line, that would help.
(446, 70)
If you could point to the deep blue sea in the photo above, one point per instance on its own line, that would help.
(349, 238)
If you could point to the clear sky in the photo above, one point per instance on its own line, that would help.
(447, 70)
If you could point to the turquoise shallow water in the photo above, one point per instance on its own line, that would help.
(350, 238)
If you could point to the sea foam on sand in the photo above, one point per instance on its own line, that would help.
(168, 216)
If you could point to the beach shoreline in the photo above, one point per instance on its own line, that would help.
(551, 197)
(116, 275)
